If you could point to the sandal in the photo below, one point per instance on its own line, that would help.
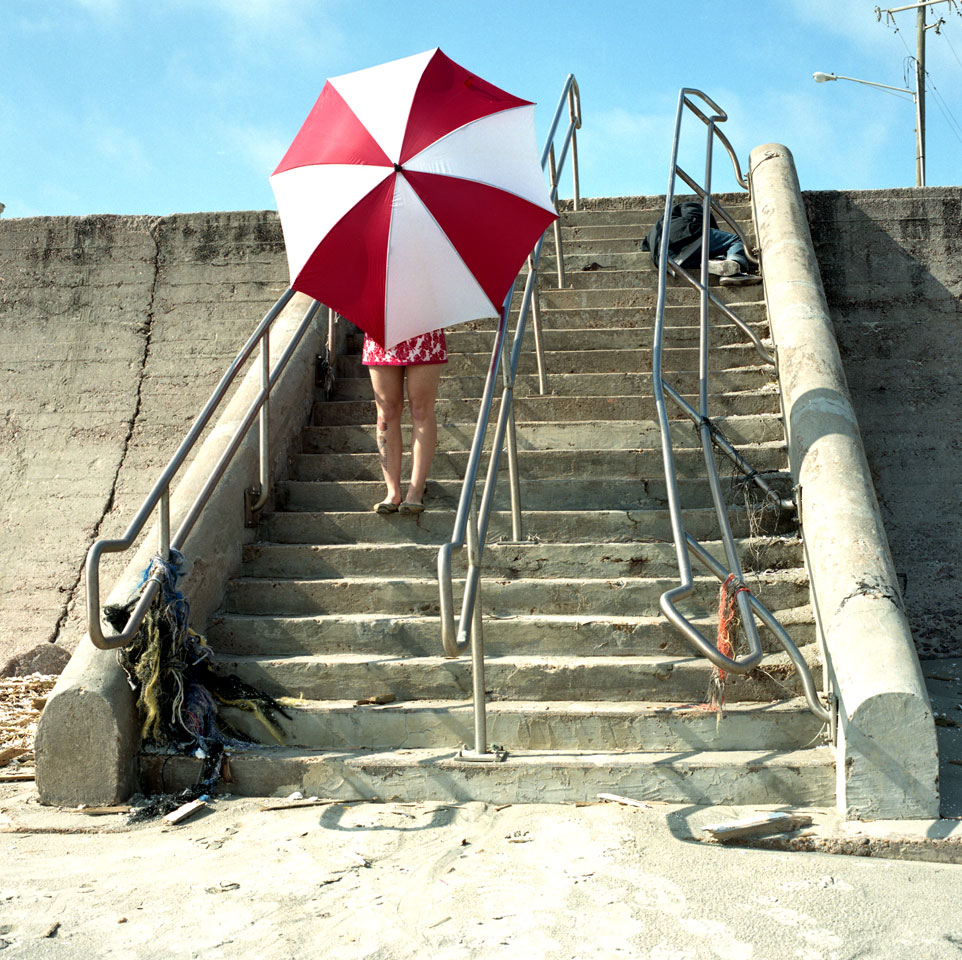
(385, 507)
(410, 509)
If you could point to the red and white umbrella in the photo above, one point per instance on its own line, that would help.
(411, 196)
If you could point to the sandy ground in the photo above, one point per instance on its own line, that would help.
(451, 881)
(393, 880)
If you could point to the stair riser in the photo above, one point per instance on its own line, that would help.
(643, 298)
(675, 359)
(636, 597)
(735, 779)
(347, 727)
(569, 384)
(460, 340)
(535, 465)
(501, 561)
(636, 227)
(551, 409)
(598, 492)
(617, 435)
(435, 526)
(645, 277)
(677, 318)
(421, 637)
(687, 682)
(648, 214)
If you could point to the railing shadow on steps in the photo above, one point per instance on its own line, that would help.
(471, 521)
(711, 436)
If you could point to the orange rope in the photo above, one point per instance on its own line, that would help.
(728, 626)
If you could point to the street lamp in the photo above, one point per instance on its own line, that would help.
(820, 77)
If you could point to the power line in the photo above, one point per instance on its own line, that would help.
(954, 125)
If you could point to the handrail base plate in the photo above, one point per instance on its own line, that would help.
(494, 755)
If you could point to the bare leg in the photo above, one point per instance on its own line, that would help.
(388, 383)
(422, 386)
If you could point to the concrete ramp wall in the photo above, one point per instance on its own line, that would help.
(114, 331)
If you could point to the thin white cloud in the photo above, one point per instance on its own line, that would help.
(101, 8)
(257, 148)
(117, 148)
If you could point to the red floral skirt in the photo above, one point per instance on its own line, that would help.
(429, 347)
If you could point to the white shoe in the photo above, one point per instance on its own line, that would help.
(740, 280)
(724, 268)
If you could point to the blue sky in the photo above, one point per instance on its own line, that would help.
(163, 106)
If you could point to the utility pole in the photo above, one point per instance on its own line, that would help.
(920, 96)
(921, 27)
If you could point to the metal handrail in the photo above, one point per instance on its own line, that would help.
(711, 437)
(159, 496)
(471, 522)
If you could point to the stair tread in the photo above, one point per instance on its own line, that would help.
(789, 707)
(419, 756)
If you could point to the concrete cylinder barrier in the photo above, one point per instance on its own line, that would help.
(887, 755)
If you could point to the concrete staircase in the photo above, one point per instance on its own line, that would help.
(589, 689)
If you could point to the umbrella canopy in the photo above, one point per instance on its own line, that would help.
(411, 196)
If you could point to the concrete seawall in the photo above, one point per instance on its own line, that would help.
(891, 265)
(114, 331)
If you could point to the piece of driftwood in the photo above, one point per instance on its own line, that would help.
(11, 753)
(762, 823)
(627, 801)
(184, 811)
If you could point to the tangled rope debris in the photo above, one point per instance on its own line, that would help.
(179, 693)
(729, 624)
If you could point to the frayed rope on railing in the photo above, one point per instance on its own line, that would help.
(729, 624)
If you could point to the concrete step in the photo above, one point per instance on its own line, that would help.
(643, 298)
(631, 226)
(549, 409)
(595, 434)
(504, 560)
(350, 676)
(383, 635)
(738, 380)
(611, 726)
(558, 362)
(642, 277)
(648, 214)
(573, 526)
(679, 315)
(462, 340)
(538, 464)
(630, 596)
(587, 492)
(798, 778)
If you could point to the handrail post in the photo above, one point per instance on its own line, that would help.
(558, 251)
(536, 329)
(574, 115)
(165, 524)
(511, 436)
(480, 753)
(263, 427)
